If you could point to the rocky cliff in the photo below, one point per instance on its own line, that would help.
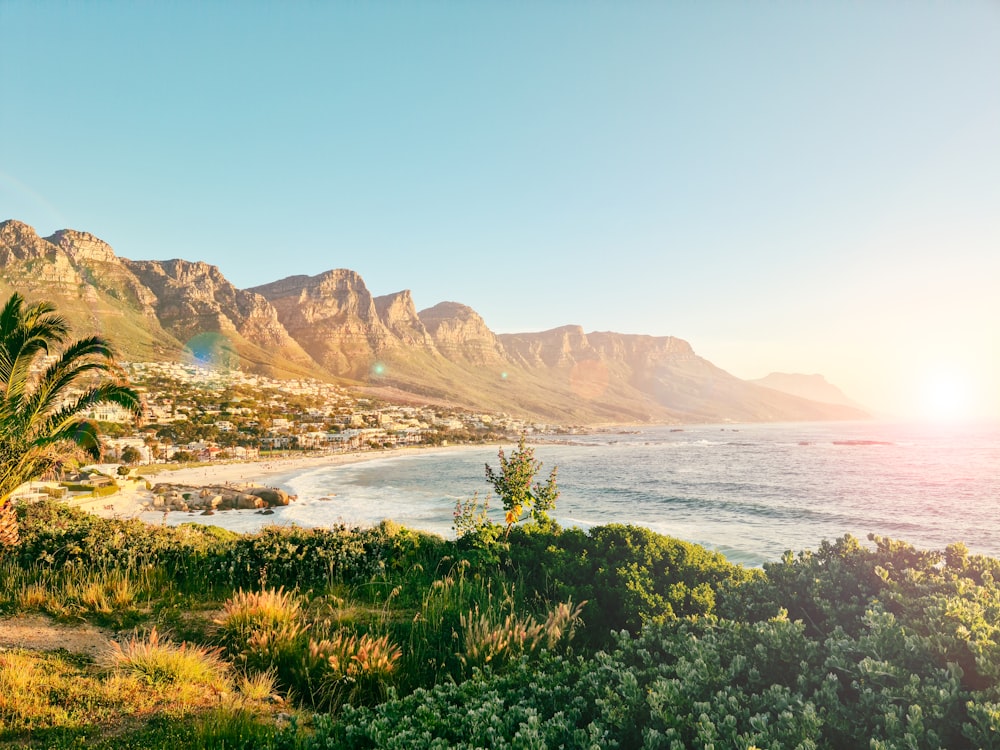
(459, 333)
(89, 285)
(331, 326)
(333, 316)
(399, 315)
(193, 299)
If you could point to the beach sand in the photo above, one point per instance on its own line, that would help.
(134, 499)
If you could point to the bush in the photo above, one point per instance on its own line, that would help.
(630, 575)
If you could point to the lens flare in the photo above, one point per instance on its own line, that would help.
(211, 350)
(378, 370)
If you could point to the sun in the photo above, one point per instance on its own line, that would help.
(946, 395)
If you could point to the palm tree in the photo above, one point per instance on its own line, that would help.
(42, 396)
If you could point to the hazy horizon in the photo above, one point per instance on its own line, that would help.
(790, 188)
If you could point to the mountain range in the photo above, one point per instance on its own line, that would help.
(331, 327)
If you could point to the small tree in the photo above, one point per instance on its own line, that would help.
(513, 483)
(131, 455)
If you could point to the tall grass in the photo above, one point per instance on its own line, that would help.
(159, 661)
(488, 639)
(108, 594)
(347, 668)
(265, 631)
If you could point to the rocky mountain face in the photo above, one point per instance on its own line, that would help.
(331, 326)
(194, 298)
(334, 317)
(89, 285)
(461, 335)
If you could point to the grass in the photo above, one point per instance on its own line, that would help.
(159, 661)
(249, 658)
(108, 595)
(205, 654)
(45, 693)
(147, 692)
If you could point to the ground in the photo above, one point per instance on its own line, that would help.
(39, 633)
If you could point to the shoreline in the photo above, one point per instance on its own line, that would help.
(133, 500)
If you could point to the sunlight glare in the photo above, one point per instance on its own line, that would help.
(946, 395)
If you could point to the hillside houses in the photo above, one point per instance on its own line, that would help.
(209, 414)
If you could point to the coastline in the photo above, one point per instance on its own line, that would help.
(133, 500)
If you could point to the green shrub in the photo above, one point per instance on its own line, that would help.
(630, 575)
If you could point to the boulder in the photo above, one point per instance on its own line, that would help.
(249, 502)
(271, 496)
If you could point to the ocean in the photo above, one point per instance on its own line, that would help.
(749, 491)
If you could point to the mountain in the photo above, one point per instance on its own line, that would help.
(812, 387)
(330, 326)
(89, 285)
(218, 323)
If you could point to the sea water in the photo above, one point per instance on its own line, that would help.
(748, 491)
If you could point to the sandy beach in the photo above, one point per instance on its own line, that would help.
(133, 499)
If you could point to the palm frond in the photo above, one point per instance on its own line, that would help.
(24, 334)
(104, 393)
(81, 433)
(40, 419)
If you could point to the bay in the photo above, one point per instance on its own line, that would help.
(748, 491)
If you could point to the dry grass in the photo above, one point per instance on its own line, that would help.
(262, 614)
(46, 690)
(489, 640)
(257, 686)
(158, 661)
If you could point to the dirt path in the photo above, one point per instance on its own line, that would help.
(39, 633)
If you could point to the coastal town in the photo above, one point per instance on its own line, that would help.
(195, 413)
(218, 432)
(227, 429)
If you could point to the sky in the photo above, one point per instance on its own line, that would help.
(793, 187)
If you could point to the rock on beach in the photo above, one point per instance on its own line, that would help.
(180, 497)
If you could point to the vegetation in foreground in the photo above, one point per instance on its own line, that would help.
(386, 638)
(512, 636)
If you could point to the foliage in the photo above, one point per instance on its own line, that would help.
(130, 455)
(408, 640)
(515, 484)
(41, 422)
(630, 575)
(200, 556)
(471, 516)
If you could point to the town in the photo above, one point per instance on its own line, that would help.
(194, 413)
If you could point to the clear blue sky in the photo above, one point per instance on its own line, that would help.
(794, 186)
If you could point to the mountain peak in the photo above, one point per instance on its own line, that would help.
(330, 326)
(15, 233)
(82, 245)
